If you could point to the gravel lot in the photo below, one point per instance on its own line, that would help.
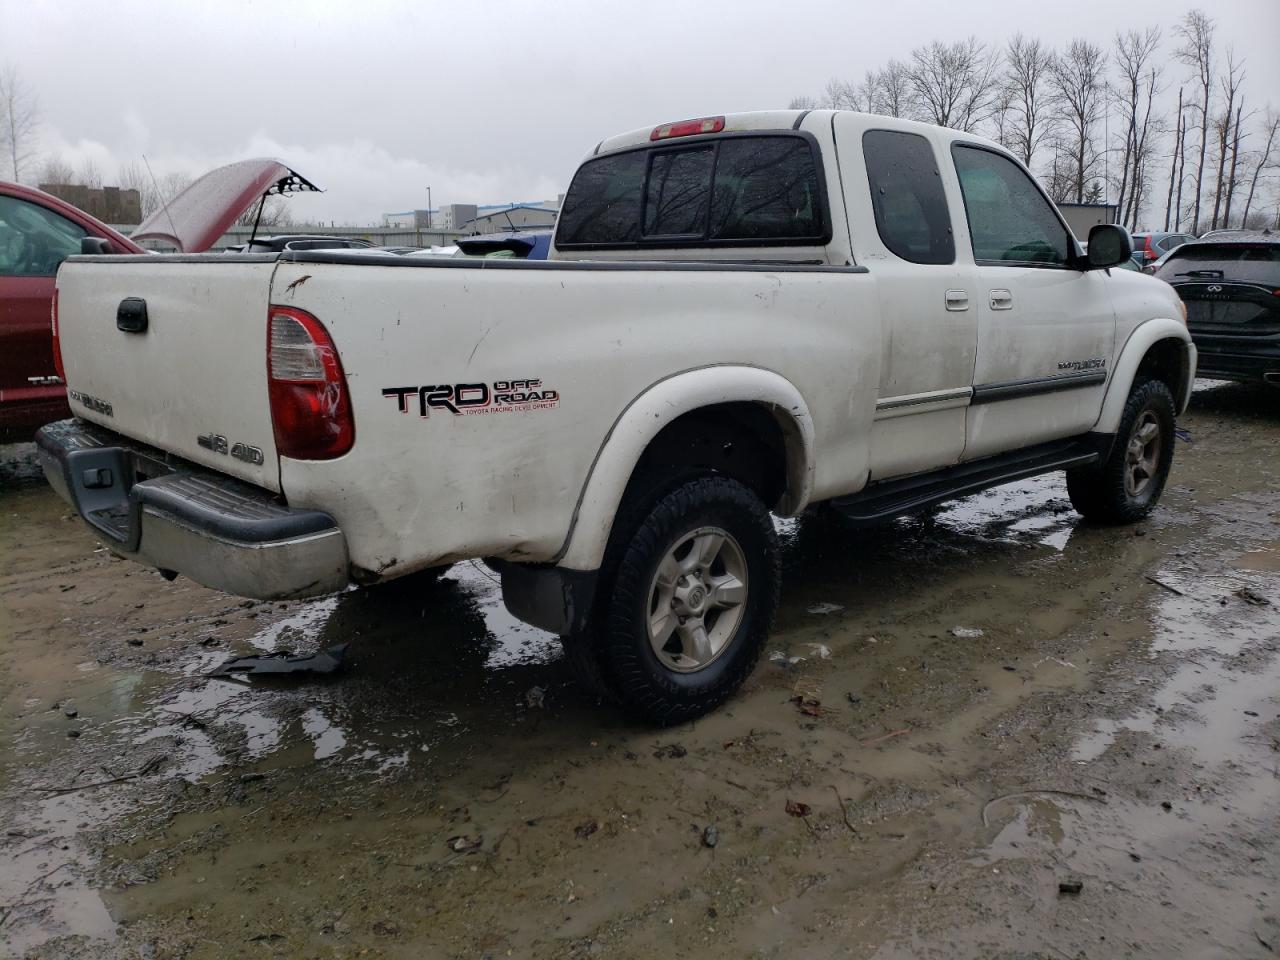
(891, 783)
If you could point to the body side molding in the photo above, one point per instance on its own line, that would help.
(1016, 389)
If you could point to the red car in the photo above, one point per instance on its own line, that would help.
(38, 232)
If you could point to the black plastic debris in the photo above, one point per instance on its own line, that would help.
(326, 661)
(670, 751)
(1070, 887)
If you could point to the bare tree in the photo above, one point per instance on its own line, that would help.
(1145, 150)
(1026, 79)
(1077, 85)
(89, 175)
(172, 184)
(1270, 130)
(1002, 119)
(1196, 31)
(275, 213)
(1182, 174)
(954, 84)
(1231, 82)
(153, 192)
(1134, 92)
(841, 95)
(134, 176)
(888, 90)
(1173, 164)
(19, 122)
(56, 172)
(802, 103)
(1232, 182)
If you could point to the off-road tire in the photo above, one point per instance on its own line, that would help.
(1099, 492)
(620, 652)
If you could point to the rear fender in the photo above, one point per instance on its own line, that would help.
(1143, 337)
(652, 410)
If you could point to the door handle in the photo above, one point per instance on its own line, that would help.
(1001, 300)
(957, 300)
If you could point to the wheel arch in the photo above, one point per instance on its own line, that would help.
(1160, 348)
(752, 399)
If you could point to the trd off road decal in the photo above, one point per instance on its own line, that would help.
(500, 396)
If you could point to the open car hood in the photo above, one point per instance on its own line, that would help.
(195, 219)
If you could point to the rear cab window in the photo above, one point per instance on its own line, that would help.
(727, 190)
(907, 197)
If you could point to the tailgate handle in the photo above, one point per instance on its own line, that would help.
(131, 315)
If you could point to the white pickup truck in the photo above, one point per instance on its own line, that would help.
(742, 315)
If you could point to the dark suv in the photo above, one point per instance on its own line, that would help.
(1149, 247)
(1231, 288)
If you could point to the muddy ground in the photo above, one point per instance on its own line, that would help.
(1116, 724)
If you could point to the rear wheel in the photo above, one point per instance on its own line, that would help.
(1127, 485)
(680, 622)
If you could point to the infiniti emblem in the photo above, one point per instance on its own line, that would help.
(1214, 288)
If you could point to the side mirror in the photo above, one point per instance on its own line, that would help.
(94, 246)
(1109, 246)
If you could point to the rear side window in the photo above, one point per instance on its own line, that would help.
(1172, 242)
(1227, 253)
(907, 196)
(724, 191)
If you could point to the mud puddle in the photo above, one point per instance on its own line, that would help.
(997, 699)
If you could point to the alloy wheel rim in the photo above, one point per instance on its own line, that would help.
(1142, 457)
(697, 599)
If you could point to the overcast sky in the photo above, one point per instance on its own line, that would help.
(488, 101)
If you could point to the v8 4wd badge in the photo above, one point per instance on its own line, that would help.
(498, 396)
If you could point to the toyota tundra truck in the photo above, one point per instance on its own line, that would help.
(741, 316)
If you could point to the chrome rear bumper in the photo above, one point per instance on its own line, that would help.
(180, 518)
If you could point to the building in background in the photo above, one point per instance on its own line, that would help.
(108, 204)
(519, 216)
(409, 220)
(454, 216)
(471, 218)
(1083, 217)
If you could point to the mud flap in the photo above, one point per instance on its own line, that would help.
(548, 597)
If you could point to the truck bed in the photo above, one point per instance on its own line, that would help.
(482, 390)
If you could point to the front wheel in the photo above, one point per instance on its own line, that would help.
(691, 601)
(1126, 486)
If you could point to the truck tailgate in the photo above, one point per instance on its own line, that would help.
(193, 380)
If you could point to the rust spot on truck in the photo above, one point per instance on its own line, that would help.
(297, 283)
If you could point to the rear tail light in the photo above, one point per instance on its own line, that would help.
(57, 344)
(688, 128)
(310, 405)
